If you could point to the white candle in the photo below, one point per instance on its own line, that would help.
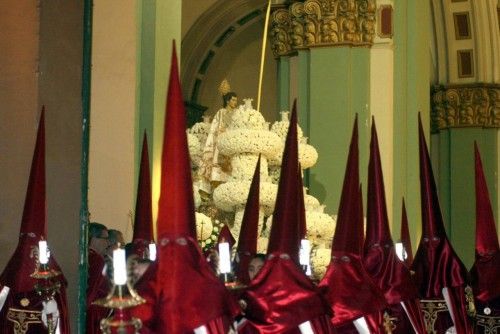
(400, 251)
(42, 252)
(361, 326)
(152, 251)
(306, 328)
(304, 253)
(224, 258)
(119, 267)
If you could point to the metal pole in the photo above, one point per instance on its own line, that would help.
(84, 212)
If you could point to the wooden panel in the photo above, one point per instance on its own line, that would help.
(465, 60)
(462, 25)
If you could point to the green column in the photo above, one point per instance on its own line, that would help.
(303, 99)
(284, 83)
(339, 80)
(411, 95)
(159, 24)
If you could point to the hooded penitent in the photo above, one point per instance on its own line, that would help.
(438, 270)
(184, 294)
(23, 305)
(247, 241)
(485, 272)
(281, 298)
(143, 222)
(349, 289)
(380, 259)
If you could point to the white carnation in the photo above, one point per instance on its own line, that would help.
(194, 148)
(281, 127)
(320, 226)
(243, 167)
(262, 245)
(320, 259)
(308, 156)
(201, 130)
(244, 118)
(232, 195)
(239, 141)
(204, 227)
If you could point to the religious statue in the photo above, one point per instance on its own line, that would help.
(215, 168)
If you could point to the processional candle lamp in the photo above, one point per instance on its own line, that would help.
(225, 260)
(121, 297)
(400, 251)
(46, 287)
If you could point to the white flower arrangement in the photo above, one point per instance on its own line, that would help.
(204, 227)
(232, 142)
(320, 226)
(320, 259)
(308, 156)
(310, 202)
(201, 130)
(281, 127)
(274, 173)
(262, 245)
(194, 148)
(243, 167)
(232, 196)
(245, 117)
(196, 196)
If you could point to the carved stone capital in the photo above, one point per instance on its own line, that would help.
(314, 23)
(473, 105)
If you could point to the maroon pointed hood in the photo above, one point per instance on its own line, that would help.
(247, 241)
(185, 282)
(405, 236)
(486, 269)
(349, 289)
(143, 223)
(381, 261)
(17, 273)
(436, 265)
(285, 236)
(22, 264)
(176, 205)
(226, 236)
(281, 297)
(348, 235)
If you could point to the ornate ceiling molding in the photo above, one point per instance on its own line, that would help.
(473, 105)
(318, 23)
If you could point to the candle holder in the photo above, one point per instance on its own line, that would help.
(120, 299)
(47, 288)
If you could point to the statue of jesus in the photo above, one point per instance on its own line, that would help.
(215, 168)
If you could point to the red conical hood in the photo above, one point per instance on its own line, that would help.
(377, 229)
(301, 207)
(436, 265)
(405, 236)
(185, 284)
(390, 274)
(486, 268)
(486, 234)
(143, 223)
(226, 236)
(281, 297)
(176, 204)
(432, 220)
(348, 235)
(17, 273)
(349, 289)
(247, 241)
(284, 236)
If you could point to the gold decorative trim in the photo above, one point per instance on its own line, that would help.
(476, 105)
(315, 23)
(490, 324)
(430, 310)
(23, 318)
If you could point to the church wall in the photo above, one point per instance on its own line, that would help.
(19, 113)
(112, 115)
(60, 91)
